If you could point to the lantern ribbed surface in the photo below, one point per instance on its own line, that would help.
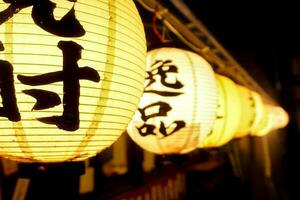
(248, 112)
(260, 112)
(265, 124)
(228, 113)
(178, 107)
(113, 44)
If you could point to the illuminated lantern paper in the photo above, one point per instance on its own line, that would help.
(228, 114)
(260, 114)
(275, 118)
(247, 112)
(178, 107)
(91, 53)
(265, 124)
(279, 117)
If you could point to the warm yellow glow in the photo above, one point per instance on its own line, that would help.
(275, 118)
(260, 114)
(279, 117)
(265, 124)
(228, 114)
(241, 112)
(247, 112)
(186, 102)
(114, 45)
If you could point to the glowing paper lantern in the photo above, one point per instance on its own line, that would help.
(260, 114)
(228, 114)
(265, 124)
(178, 107)
(247, 112)
(78, 74)
(279, 117)
(275, 117)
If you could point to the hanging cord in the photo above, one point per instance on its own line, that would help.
(160, 36)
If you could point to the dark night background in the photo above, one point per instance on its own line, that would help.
(265, 39)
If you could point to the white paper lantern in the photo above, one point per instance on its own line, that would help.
(178, 107)
(97, 45)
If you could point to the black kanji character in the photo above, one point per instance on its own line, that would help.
(161, 69)
(7, 91)
(42, 14)
(70, 76)
(162, 110)
(148, 129)
(178, 125)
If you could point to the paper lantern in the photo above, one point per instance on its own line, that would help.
(72, 74)
(265, 124)
(247, 112)
(260, 119)
(178, 107)
(228, 114)
(279, 117)
(275, 117)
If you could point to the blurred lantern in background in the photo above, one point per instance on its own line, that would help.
(178, 107)
(265, 124)
(260, 113)
(229, 113)
(241, 112)
(279, 117)
(275, 118)
(71, 77)
(247, 112)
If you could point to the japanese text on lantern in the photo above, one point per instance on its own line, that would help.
(161, 70)
(68, 26)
